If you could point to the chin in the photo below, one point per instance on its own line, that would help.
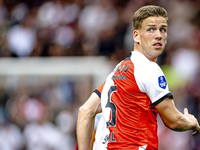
(156, 53)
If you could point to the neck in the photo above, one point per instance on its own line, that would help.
(139, 49)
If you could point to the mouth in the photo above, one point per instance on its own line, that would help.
(157, 45)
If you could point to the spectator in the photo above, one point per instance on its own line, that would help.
(21, 38)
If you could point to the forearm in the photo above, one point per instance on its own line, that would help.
(174, 119)
(85, 129)
(182, 123)
(85, 122)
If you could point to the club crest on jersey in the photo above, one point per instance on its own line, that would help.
(162, 82)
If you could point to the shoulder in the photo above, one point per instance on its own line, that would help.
(147, 74)
(143, 66)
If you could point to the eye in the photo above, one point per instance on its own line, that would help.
(150, 29)
(163, 30)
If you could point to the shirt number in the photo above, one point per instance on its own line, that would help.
(112, 106)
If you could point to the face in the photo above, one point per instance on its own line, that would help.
(151, 37)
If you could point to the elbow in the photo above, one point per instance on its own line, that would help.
(82, 110)
(86, 111)
(91, 107)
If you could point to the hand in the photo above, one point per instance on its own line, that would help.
(192, 118)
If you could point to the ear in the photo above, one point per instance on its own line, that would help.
(136, 36)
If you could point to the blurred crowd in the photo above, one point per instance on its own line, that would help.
(43, 117)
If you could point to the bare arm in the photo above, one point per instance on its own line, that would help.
(174, 119)
(85, 122)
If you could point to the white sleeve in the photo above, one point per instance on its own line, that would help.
(152, 81)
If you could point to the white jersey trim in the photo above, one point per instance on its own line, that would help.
(150, 80)
(142, 147)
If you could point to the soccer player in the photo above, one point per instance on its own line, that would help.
(134, 93)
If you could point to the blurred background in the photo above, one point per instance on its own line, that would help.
(54, 53)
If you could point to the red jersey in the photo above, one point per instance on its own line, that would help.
(128, 99)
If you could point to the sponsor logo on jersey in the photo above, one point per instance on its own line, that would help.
(120, 72)
(162, 82)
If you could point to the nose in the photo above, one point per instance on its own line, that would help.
(158, 35)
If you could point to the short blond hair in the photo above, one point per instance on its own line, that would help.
(147, 11)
